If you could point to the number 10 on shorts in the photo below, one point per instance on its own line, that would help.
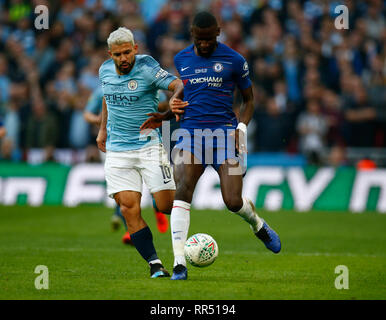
(166, 172)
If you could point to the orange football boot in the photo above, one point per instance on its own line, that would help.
(162, 221)
(126, 239)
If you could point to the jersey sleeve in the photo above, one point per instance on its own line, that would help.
(241, 73)
(159, 77)
(162, 96)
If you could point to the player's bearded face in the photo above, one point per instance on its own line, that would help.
(123, 56)
(205, 39)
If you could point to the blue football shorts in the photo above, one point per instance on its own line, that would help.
(210, 146)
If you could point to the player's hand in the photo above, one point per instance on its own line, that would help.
(240, 142)
(101, 140)
(177, 106)
(154, 121)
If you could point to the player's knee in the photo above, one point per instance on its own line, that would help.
(184, 192)
(130, 211)
(184, 196)
(233, 203)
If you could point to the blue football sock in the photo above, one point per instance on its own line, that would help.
(118, 213)
(143, 242)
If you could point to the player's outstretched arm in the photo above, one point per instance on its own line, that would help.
(102, 134)
(247, 108)
(176, 103)
(155, 120)
(176, 107)
(92, 118)
(3, 132)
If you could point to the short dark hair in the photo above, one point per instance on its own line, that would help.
(204, 19)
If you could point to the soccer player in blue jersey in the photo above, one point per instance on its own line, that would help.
(92, 114)
(210, 72)
(130, 84)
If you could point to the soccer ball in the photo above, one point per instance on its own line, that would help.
(201, 250)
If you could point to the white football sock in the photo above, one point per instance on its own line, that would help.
(250, 216)
(155, 261)
(179, 225)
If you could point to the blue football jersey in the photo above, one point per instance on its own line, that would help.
(129, 98)
(209, 84)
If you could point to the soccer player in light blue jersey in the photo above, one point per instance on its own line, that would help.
(211, 71)
(130, 83)
(93, 110)
(92, 114)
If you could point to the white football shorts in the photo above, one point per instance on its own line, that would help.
(125, 170)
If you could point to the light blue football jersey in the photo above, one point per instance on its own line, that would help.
(129, 98)
(94, 102)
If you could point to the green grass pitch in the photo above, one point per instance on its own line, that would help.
(86, 260)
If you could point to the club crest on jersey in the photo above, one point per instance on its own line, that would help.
(132, 85)
(245, 67)
(218, 67)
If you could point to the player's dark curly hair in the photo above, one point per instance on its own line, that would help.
(204, 19)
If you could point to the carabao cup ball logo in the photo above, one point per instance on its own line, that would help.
(132, 85)
(218, 67)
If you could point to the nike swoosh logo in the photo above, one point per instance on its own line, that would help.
(183, 69)
(176, 232)
(165, 182)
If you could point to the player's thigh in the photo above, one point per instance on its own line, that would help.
(164, 200)
(186, 174)
(231, 183)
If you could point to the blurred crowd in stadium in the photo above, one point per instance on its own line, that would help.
(317, 88)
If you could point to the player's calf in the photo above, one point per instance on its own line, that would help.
(143, 242)
(247, 212)
(233, 203)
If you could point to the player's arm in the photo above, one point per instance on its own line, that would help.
(92, 111)
(163, 106)
(92, 117)
(176, 103)
(3, 132)
(247, 108)
(102, 134)
(246, 113)
(176, 107)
